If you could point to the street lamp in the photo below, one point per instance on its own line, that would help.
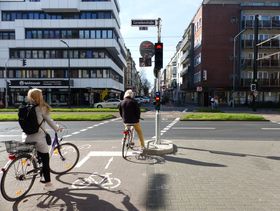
(68, 73)
(6, 90)
(234, 61)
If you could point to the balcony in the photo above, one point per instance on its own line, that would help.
(264, 63)
(262, 83)
(60, 6)
(264, 24)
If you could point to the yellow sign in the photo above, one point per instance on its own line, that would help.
(104, 93)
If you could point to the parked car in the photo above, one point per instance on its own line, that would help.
(146, 99)
(110, 103)
(139, 99)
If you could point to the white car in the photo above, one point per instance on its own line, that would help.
(139, 99)
(110, 103)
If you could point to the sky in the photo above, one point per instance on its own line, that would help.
(175, 15)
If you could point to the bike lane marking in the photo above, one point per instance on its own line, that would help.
(102, 154)
(109, 162)
(91, 127)
(164, 130)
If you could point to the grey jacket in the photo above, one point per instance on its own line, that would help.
(39, 138)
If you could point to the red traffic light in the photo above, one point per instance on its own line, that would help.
(157, 98)
(158, 46)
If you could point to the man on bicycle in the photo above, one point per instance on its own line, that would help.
(130, 113)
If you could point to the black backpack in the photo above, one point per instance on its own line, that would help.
(27, 119)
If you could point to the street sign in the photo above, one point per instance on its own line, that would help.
(147, 49)
(144, 22)
(143, 28)
(145, 62)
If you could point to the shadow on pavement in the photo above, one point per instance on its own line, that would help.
(231, 153)
(157, 188)
(70, 200)
(65, 199)
(189, 161)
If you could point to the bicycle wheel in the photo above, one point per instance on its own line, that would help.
(125, 144)
(18, 178)
(64, 158)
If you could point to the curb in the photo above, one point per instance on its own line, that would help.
(166, 147)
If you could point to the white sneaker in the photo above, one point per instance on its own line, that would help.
(49, 188)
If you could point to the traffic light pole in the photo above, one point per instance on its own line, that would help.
(255, 65)
(157, 119)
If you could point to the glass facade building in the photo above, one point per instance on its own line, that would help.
(70, 47)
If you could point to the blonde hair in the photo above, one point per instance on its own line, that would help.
(35, 96)
(128, 93)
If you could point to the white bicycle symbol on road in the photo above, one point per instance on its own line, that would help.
(104, 181)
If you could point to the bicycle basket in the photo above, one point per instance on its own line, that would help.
(18, 147)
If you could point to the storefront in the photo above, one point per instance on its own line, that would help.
(56, 93)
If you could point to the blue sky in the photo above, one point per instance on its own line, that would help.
(176, 16)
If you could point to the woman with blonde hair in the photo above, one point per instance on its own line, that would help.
(35, 97)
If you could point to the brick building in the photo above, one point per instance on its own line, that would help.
(207, 63)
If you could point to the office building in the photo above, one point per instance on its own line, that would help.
(72, 49)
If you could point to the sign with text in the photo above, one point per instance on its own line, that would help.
(144, 22)
(37, 83)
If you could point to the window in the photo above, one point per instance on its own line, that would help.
(85, 73)
(98, 34)
(197, 60)
(93, 74)
(104, 34)
(44, 74)
(99, 73)
(58, 73)
(41, 54)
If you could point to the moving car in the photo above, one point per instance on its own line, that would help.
(110, 103)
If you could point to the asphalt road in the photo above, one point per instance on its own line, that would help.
(224, 163)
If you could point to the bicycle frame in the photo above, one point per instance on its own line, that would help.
(13, 156)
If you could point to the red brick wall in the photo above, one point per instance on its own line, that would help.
(217, 43)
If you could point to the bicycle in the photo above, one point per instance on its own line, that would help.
(128, 136)
(23, 166)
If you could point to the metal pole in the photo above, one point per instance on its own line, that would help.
(234, 65)
(6, 89)
(69, 87)
(255, 67)
(68, 73)
(157, 119)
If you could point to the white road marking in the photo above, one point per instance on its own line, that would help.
(75, 133)
(164, 130)
(9, 136)
(109, 162)
(194, 128)
(270, 128)
(102, 154)
(84, 130)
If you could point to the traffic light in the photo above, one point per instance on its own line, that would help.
(253, 87)
(23, 62)
(158, 56)
(157, 101)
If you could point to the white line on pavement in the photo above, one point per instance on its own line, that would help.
(194, 128)
(109, 162)
(270, 128)
(10, 136)
(102, 154)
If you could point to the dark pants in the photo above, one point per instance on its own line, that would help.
(45, 159)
